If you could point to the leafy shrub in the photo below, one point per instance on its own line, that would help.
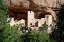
(43, 27)
(36, 36)
(7, 33)
(3, 18)
(10, 34)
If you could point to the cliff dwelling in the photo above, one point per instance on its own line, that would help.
(28, 15)
(33, 13)
(28, 12)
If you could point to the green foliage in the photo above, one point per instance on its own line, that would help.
(35, 36)
(11, 34)
(43, 27)
(3, 18)
(3, 7)
(7, 33)
(58, 32)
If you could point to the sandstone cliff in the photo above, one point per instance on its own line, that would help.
(20, 5)
(40, 3)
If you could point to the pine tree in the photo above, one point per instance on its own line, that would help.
(58, 33)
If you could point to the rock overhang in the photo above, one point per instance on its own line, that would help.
(20, 7)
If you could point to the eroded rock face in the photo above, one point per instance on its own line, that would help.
(47, 3)
(24, 3)
(34, 4)
(42, 3)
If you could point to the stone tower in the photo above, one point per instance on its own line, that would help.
(30, 18)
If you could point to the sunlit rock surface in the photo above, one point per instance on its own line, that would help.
(34, 4)
(42, 3)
